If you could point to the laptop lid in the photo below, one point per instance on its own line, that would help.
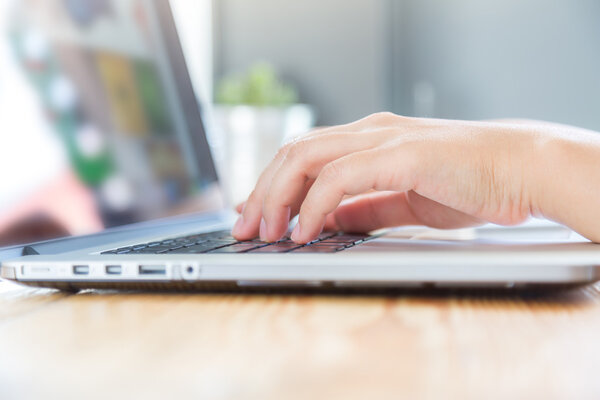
(112, 88)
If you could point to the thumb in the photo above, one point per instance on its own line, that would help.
(378, 210)
(371, 211)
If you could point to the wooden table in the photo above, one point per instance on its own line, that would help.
(299, 346)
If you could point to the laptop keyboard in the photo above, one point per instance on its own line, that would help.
(223, 242)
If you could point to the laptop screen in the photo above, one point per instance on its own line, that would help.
(110, 99)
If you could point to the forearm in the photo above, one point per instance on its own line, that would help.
(567, 179)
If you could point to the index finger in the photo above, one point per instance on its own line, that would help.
(379, 169)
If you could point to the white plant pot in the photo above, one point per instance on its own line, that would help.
(250, 138)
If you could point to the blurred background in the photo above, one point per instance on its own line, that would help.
(450, 59)
(263, 71)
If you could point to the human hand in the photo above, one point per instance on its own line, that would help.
(61, 207)
(33, 228)
(412, 171)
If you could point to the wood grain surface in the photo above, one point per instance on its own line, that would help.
(434, 345)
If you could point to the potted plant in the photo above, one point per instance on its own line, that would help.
(255, 112)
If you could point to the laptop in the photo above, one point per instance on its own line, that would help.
(167, 225)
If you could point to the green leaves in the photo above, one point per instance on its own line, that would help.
(260, 86)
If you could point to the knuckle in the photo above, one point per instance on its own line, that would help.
(332, 173)
(283, 151)
(304, 156)
(382, 117)
(402, 119)
(297, 150)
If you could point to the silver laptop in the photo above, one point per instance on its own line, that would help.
(158, 194)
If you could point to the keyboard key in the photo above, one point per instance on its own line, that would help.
(312, 249)
(199, 248)
(235, 248)
(343, 239)
(225, 241)
(337, 247)
(184, 241)
(217, 234)
(255, 241)
(157, 249)
(325, 235)
(286, 242)
(147, 250)
(323, 244)
(276, 248)
(226, 237)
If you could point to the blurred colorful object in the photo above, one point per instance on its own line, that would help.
(102, 82)
(85, 12)
(119, 80)
(60, 100)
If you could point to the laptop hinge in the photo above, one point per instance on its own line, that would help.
(29, 251)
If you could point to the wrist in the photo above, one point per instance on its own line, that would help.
(567, 182)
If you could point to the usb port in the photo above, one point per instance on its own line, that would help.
(153, 270)
(113, 269)
(81, 269)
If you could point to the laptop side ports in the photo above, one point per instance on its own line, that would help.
(113, 269)
(152, 269)
(81, 269)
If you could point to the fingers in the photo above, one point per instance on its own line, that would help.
(383, 168)
(249, 221)
(247, 225)
(303, 162)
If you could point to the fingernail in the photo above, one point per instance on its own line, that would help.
(238, 225)
(296, 232)
(263, 230)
